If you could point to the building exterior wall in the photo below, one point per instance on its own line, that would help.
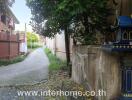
(3, 26)
(7, 19)
(97, 70)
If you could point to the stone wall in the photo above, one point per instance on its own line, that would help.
(97, 69)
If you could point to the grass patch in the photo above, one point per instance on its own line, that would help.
(12, 61)
(55, 62)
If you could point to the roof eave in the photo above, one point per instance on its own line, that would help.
(14, 17)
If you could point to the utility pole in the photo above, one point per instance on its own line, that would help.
(25, 38)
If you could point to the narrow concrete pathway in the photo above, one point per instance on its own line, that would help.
(11, 93)
(30, 71)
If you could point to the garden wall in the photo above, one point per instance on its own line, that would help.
(97, 70)
(57, 46)
(9, 45)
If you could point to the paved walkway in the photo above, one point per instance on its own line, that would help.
(32, 70)
(11, 93)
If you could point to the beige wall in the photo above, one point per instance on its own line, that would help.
(97, 70)
(50, 44)
(60, 46)
(57, 45)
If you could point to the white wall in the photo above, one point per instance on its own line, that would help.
(50, 44)
(60, 46)
(57, 45)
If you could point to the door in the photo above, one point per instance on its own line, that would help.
(127, 81)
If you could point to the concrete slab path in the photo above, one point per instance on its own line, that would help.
(30, 71)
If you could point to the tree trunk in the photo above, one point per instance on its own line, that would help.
(67, 48)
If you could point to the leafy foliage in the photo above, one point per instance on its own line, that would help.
(32, 37)
(33, 40)
(81, 19)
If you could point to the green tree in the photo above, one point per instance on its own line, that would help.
(80, 19)
(47, 10)
(32, 40)
(32, 37)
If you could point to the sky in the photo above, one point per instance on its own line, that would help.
(23, 14)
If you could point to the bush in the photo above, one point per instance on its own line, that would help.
(33, 45)
(33, 40)
(32, 37)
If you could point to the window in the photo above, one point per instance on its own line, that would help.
(125, 36)
(3, 19)
(130, 35)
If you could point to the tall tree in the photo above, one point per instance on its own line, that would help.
(80, 19)
(48, 10)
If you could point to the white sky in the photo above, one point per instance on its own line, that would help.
(23, 14)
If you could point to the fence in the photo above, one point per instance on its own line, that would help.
(9, 45)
